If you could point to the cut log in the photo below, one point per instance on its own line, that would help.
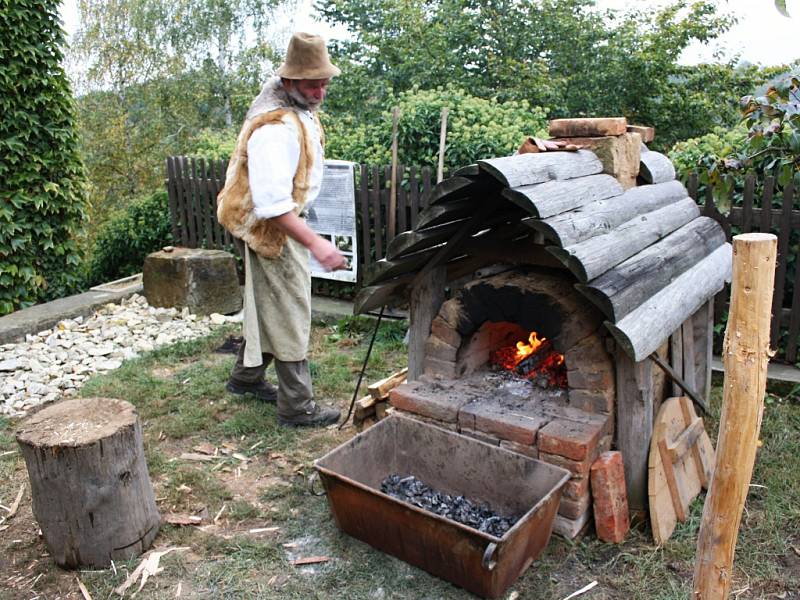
(591, 127)
(621, 289)
(656, 168)
(642, 331)
(90, 488)
(595, 256)
(452, 188)
(380, 389)
(446, 212)
(363, 408)
(528, 169)
(554, 197)
(648, 134)
(601, 217)
(409, 242)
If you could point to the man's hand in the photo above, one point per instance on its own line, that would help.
(328, 255)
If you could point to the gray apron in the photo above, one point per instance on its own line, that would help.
(277, 305)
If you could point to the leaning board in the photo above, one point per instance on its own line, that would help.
(681, 464)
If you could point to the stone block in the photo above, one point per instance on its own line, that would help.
(516, 425)
(611, 517)
(557, 410)
(619, 154)
(204, 281)
(449, 426)
(440, 368)
(648, 134)
(417, 397)
(570, 439)
(593, 401)
(530, 451)
(480, 436)
(565, 128)
(438, 349)
(574, 509)
(572, 528)
(445, 332)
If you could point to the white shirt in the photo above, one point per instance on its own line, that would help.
(273, 153)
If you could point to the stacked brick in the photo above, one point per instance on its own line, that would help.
(567, 437)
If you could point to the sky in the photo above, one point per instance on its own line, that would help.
(762, 35)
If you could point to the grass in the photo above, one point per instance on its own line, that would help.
(182, 403)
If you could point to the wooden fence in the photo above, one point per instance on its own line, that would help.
(193, 185)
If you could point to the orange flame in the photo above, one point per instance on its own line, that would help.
(525, 350)
(551, 366)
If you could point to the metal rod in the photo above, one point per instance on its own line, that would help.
(681, 383)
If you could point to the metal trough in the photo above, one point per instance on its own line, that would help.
(511, 483)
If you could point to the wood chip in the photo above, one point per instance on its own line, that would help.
(264, 530)
(147, 568)
(583, 590)
(178, 590)
(205, 448)
(311, 560)
(182, 519)
(84, 592)
(196, 457)
(380, 389)
(219, 514)
(256, 445)
(7, 453)
(241, 457)
(13, 510)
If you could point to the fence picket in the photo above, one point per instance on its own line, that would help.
(377, 217)
(413, 188)
(747, 203)
(402, 201)
(785, 228)
(172, 195)
(364, 245)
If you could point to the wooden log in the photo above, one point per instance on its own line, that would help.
(551, 198)
(528, 169)
(648, 134)
(593, 257)
(363, 408)
(643, 330)
(427, 296)
(380, 389)
(590, 127)
(90, 488)
(621, 289)
(598, 218)
(656, 168)
(634, 383)
(746, 354)
(449, 189)
(446, 212)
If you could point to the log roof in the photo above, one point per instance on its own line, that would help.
(644, 256)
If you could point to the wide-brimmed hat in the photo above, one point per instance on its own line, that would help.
(307, 58)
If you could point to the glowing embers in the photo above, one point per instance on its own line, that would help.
(535, 360)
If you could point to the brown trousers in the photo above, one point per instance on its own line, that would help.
(295, 393)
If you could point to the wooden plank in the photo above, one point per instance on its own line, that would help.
(621, 289)
(642, 331)
(794, 323)
(655, 168)
(783, 253)
(415, 241)
(440, 214)
(747, 203)
(402, 202)
(413, 194)
(603, 216)
(426, 186)
(681, 446)
(593, 257)
(676, 358)
(634, 425)
(710, 210)
(380, 389)
(205, 201)
(526, 169)
(364, 244)
(427, 296)
(213, 189)
(589, 127)
(196, 215)
(766, 205)
(677, 494)
(377, 214)
(191, 232)
(449, 189)
(702, 464)
(551, 198)
(691, 186)
(173, 200)
(689, 369)
(703, 326)
(736, 217)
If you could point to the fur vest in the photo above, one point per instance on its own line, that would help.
(234, 203)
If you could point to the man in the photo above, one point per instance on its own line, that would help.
(273, 176)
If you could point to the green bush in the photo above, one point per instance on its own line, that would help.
(42, 191)
(126, 239)
(477, 128)
(700, 153)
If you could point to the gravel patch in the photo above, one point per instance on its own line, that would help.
(55, 363)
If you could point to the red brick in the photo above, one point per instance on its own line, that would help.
(442, 424)
(593, 401)
(445, 332)
(415, 398)
(648, 134)
(571, 528)
(483, 437)
(611, 517)
(591, 127)
(436, 348)
(576, 488)
(576, 467)
(574, 509)
(517, 425)
(523, 449)
(569, 438)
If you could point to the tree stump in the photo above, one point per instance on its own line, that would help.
(90, 487)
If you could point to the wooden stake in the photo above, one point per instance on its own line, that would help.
(442, 140)
(745, 356)
(392, 222)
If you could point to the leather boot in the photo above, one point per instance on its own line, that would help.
(316, 416)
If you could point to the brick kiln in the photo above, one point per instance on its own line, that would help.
(549, 294)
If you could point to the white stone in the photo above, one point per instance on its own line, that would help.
(217, 318)
(11, 364)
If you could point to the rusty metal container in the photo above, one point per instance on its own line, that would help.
(511, 483)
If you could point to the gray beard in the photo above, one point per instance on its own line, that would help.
(301, 102)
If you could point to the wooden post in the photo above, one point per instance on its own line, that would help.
(392, 221)
(427, 297)
(90, 488)
(442, 142)
(745, 355)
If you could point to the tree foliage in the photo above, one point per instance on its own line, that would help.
(565, 55)
(41, 173)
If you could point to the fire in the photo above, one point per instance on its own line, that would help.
(535, 359)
